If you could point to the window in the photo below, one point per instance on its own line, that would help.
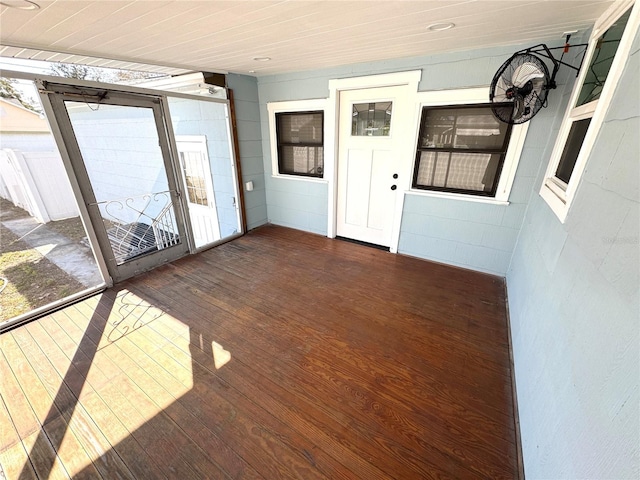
(461, 149)
(606, 52)
(300, 143)
(296, 131)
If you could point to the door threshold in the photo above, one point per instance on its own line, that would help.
(364, 244)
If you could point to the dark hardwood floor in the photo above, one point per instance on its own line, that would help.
(278, 355)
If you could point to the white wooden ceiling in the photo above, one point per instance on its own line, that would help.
(296, 35)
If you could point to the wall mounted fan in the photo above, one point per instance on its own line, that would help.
(520, 87)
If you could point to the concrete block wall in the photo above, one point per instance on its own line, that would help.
(574, 302)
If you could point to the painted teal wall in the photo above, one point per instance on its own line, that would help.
(245, 90)
(478, 236)
(574, 303)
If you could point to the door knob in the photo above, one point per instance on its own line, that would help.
(393, 187)
(395, 175)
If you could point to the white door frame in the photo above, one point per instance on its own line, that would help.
(411, 79)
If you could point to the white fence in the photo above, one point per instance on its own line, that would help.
(37, 182)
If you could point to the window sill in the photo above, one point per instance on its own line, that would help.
(300, 178)
(557, 204)
(458, 196)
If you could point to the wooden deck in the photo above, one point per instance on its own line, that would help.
(278, 355)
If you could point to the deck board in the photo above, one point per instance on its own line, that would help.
(281, 354)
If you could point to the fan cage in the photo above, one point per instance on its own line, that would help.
(517, 100)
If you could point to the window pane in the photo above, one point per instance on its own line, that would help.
(304, 127)
(572, 149)
(474, 172)
(473, 128)
(302, 160)
(194, 173)
(601, 61)
(371, 119)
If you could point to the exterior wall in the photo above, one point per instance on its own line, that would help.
(574, 303)
(28, 141)
(16, 118)
(245, 91)
(131, 141)
(479, 236)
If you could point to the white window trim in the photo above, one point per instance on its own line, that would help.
(558, 196)
(289, 107)
(468, 96)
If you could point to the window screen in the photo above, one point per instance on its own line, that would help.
(460, 149)
(300, 143)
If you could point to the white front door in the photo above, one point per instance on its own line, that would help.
(371, 143)
(198, 189)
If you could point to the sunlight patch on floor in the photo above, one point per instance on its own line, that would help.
(136, 361)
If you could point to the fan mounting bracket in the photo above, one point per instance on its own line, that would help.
(544, 51)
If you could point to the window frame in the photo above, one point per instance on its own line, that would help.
(558, 194)
(293, 107)
(502, 151)
(458, 98)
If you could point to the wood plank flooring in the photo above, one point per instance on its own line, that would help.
(278, 355)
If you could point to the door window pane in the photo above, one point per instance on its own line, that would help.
(194, 174)
(371, 119)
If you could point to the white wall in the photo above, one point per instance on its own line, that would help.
(28, 142)
(50, 178)
(37, 182)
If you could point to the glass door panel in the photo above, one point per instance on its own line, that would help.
(124, 162)
(204, 146)
(125, 173)
(45, 258)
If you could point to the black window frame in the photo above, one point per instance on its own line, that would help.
(280, 144)
(492, 151)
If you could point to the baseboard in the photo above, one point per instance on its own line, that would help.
(514, 393)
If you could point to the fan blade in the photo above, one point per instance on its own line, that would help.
(500, 92)
(525, 72)
(518, 108)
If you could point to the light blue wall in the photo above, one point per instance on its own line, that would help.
(575, 311)
(245, 92)
(479, 236)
